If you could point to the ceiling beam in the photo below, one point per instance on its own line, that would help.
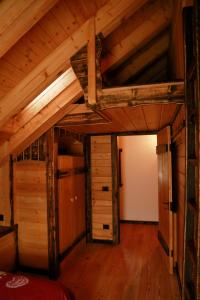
(107, 17)
(42, 122)
(171, 92)
(17, 17)
(139, 29)
(42, 100)
(143, 57)
(150, 71)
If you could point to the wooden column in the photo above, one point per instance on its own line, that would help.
(52, 204)
(91, 51)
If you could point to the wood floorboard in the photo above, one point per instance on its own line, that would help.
(132, 270)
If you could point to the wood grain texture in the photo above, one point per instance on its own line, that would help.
(8, 252)
(30, 213)
(71, 202)
(134, 269)
(179, 165)
(101, 176)
(165, 195)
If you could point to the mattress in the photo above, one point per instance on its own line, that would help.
(25, 287)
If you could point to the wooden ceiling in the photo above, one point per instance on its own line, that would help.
(37, 40)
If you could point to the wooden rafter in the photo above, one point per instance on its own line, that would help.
(107, 18)
(91, 57)
(42, 122)
(135, 33)
(17, 17)
(148, 54)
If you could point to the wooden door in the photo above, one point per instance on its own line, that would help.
(165, 231)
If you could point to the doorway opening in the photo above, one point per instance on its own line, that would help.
(139, 178)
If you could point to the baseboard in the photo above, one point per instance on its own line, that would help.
(139, 222)
(38, 271)
(72, 246)
(102, 241)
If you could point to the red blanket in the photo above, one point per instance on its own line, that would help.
(23, 287)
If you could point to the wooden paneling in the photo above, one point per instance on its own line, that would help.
(5, 208)
(177, 46)
(101, 178)
(179, 166)
(30, 213)
(71, 201)
(138, 118)
(8, 251)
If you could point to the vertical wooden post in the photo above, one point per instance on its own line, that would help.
(87, 150)
(52, 204)
(11, 191)
(91, 54)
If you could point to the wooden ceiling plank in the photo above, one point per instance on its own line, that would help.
(43, 121)
(48, 69)
(141, 94)
(168, 113)
(42, 100)
(144, 25)
(91, 56)
(152, 115)
(142, 58)
(22, 18)
(136, 115)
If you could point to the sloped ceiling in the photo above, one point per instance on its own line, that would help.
(37, 39)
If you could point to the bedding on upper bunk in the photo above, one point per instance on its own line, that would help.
(25, 287)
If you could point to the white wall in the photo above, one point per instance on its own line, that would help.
(139, 194)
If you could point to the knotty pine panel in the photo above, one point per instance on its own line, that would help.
(30, 213)
(47, 34)
(8, 252)
(101, 188)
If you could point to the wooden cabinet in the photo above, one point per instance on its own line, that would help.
(71, 200)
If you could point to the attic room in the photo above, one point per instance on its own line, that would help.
(99, 149)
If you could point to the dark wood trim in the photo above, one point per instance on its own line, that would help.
(115, 190)
(87, 153)
(72, 246)
(99, 241)
(62, 173)
(52, 204)
(178, 277)
(163, 243)
(120, 168)
(37, 271)
(139, 222)
(125, 133)
(11, 191)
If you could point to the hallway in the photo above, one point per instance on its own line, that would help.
(132, 270)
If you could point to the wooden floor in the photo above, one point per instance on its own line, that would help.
(133, 270)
